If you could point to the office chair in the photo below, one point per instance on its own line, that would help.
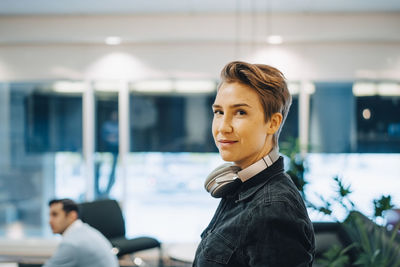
(106, 216)
(328, 234)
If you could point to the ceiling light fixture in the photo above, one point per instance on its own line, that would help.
(69, 87)
(388, 89)
(157, 86)
(364, 89)
(274, 39)
(113, 40)
(106, 86)
(201, 86)
(294, 88)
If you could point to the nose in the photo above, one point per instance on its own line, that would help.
(225, 124)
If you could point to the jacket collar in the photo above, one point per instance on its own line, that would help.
(251, 186)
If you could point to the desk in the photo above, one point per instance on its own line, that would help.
(37, 261)
(27, 252)
(31, 261)
(36, 247)
(34, 252)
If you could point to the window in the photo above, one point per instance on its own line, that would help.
(332, 118)
(378, 124)
(171, 123)
(106, 175)
(40, 152)
(172, 153)
(290, 129)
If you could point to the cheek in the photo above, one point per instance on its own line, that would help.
(214, 128)
(256, 136)
(58, 222)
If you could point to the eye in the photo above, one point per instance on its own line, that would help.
(241, 112)
(218, 112)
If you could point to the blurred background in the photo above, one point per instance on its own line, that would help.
(112, 99)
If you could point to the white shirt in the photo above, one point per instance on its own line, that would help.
(75, 225)
(83, 246)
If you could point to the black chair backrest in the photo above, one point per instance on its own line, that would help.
(328, 234)
(105, 215)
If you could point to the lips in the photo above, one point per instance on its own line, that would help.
(226, 143)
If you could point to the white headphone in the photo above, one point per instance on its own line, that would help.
(227, 177)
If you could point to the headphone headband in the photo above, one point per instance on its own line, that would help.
(225, 178)
(258, 166)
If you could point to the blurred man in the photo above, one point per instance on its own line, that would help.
(82, 245)
(110, 138)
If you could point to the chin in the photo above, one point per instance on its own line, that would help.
(227, 157)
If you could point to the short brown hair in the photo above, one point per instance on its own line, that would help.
(268, 82)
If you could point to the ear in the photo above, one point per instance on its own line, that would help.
(274, 123)
(72, 215)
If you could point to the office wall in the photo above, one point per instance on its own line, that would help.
(316, 46)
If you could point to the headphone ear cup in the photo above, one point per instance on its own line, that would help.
(221, 180)
(224, 189)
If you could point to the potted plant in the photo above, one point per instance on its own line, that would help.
(368, 243)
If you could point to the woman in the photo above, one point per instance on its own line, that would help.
(261, 219)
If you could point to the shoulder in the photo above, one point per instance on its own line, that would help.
(86, 243)
(282, 208)
(86, 234)
(77, 233)
(282, 189)
(83, 229)
(279, 196)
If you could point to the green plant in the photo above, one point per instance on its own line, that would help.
(382, 204)
(375, 246)
(296, 171)
(336, 256)
(341, 199)
(372, 245)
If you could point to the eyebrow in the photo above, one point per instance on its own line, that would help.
(232, 106)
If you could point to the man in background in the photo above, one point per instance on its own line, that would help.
(110, 139)
(82, 245)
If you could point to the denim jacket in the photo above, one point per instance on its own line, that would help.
(264, 223)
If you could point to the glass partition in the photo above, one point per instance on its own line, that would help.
(172, 153)
(41, 132)
(171, 123)
(332, 118)
(107, 144)
(290, 129)
(378, 123)
(166, 196)
(369, 176)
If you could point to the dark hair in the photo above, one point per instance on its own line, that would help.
(68, 205)
(268, 82)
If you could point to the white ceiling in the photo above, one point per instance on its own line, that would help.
(92, 7)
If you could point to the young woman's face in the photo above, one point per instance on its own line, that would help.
(239, 128)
